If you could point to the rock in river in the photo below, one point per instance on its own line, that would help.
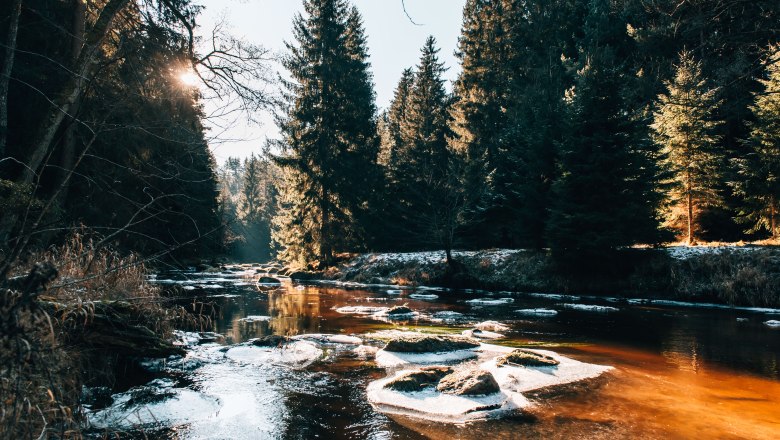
(417, 380)
(471, 382)
(429, 344)
(270, 341)
(526, 358)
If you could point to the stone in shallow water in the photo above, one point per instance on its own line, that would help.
(471, 382)
(270, 341)
(399, 311)
(417, 380)
(429, 344)
(492, 326)
(526, 358)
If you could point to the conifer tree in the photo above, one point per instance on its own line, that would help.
(685, 129)
(330, 146)
(759, 171)
(479, 115)
(423, 174)
(605, 196)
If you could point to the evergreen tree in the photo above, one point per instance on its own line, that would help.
(394, 118)
(479, 115)
(423, 175)
(330, 147)
(759, 170)
(685, 129)
(604, 198)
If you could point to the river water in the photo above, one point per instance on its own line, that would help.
(679, 371)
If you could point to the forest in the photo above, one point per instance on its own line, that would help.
(576, 128)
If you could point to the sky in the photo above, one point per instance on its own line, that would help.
(394, 44)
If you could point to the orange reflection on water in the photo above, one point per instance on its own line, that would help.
(675, 396)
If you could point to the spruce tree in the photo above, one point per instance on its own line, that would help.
(685, 129)
(479, 118)
(330, 144)
(605, 197)
(423, 174)
(759, 171)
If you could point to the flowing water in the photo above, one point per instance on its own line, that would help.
(679, 372)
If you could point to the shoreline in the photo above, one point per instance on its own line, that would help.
(725, 275)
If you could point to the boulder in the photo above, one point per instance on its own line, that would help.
(492, 326)
(429, 344)
(417, 380)
(526, 358)
(399, 310)
(270, 341)
(472, 382)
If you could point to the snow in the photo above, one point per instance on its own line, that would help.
(685, 252)
(361, 310)
(448, 314)
(429, 404)
(180, 406)
(693, 305)
(394, 291)
(331, 339)
(432, 405)
(772, 323)
(482, 334)
(590, 308)
(297, 354)
(438, 257)
(391, 359)
(554, 296)
(493, 326)
(490, 301)
(255, 318)
(423, 296)
(537, 312)
(524, 379)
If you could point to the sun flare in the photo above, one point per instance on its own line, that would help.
(189, 78)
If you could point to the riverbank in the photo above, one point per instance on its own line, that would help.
(734, 275)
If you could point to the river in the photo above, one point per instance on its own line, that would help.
(679, 371)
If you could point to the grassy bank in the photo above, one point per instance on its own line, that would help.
(74, 316)
(737, 276)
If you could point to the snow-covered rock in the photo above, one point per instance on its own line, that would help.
(773, 323)
(426, 296)
(431, 404)
(590, 308)
(490, 301)
(492, 326)
(537, 312)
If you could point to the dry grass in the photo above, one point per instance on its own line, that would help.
(44, 360)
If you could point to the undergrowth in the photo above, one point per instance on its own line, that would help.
(50, 341)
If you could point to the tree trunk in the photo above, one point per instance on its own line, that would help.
(71, 90)
(772, 225)
(5, 75)
(68, 156)
(690, 211)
